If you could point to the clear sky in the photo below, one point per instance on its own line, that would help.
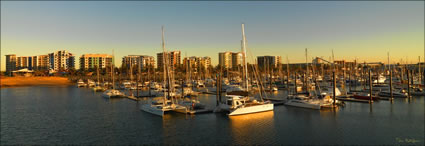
(363, 30)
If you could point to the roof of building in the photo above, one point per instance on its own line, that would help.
(96, 55)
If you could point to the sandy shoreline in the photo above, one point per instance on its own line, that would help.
(6, 82)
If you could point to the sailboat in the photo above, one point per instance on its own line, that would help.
(241, 104)
(81, 83)
(112, 93)
(304, 101)
(91, 83)
(161, 106)
(311, 101)
(98, 88)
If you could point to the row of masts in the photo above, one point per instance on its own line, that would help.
(357, 71)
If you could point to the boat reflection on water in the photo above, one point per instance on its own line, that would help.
(254, 118)
(248, 127)
(166, 117)
(112, 100)
(329, 112)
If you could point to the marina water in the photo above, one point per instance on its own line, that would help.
(71, 115)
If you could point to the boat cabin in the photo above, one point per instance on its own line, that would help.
(234, 101)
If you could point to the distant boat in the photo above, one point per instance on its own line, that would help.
(363, 96)
(91, 83)
(125, 85)
(112, 93)
(98, 89)
(381, 79)
(396, 93)
(159, 107)
(200, 87)
(81, 83)
(192, 104)
(417, 92)
(307, 102)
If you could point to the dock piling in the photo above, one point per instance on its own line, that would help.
(391, 85)
(334, 88)
(408, 83)
(295, 83)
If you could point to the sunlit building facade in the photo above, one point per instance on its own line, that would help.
(272, 61)
(174, 59)
(135, 61)
(61, 60)
(230, 59)
(90, 61)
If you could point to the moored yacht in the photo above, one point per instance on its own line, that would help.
(237, 99)
(91, 83)
(418, 92)
(112, 93)
(380, 79)
(98, 89)
(396, 93)
(239, 105)
(159, 107)
(307, 102)
(81, 83)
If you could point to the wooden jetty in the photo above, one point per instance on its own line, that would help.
(146, 96)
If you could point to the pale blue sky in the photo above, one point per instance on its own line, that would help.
(363, 30)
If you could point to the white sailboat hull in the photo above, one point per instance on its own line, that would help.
(112, 94)
(303, 105)
(251, 109)
(152, 109)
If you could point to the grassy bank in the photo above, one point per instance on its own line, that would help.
(33, 81)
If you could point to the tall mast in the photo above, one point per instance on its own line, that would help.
(98, 76)
(307, 72)
(244, 56)
(131, 69)
(164, 61)
(187, 67)
(112, 69)
(389, 66)
(333, 60)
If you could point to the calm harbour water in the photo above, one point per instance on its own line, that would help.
(71, 115)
